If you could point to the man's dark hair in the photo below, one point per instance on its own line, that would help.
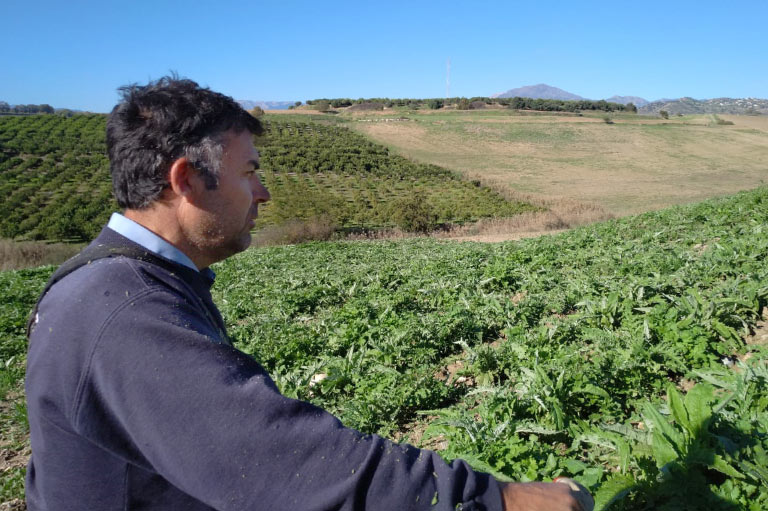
(162, 121)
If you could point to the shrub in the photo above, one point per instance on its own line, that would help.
(664, 114)
(321, 228)
(341, 102)
(413, 213)
(435, 104)
(721, 122)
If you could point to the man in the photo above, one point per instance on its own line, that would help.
(136, 397)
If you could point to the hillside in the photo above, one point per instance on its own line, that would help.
(540, 91)
(688, 106)
(55, 183)
(630, 355)
(634, 164)
(544, 91)
(635, 100)
(314, 170)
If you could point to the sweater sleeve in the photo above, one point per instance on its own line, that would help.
(157, 392)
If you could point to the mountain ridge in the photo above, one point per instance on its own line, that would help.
(686, 106)
(538, 91)
(265, 105)
(623, 100)
(683, 106)
(544, 91)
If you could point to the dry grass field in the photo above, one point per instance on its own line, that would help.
(634, 164)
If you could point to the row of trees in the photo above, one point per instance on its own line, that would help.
(317, 170)
(460, 103)
(54, 177)
(345, 102)
(5, 108)
(55, 182)
(560, 105)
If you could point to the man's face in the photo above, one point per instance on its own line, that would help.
(225, 215)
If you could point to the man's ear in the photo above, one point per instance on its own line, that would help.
(184, 179)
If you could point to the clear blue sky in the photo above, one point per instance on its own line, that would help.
(75, 54)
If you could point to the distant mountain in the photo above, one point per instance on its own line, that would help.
(707, 106)
(540, 91)
(266, 105)
(623, 100)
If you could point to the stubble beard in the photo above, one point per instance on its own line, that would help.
(212, 241)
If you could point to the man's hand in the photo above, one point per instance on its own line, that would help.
(546, 497)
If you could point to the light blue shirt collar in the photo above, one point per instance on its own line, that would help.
(148, 239)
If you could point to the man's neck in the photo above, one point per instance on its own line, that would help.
(161, 219)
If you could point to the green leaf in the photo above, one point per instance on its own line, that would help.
(724, 467)
(664, 428)
(551, 464)
(624, 454)
(708, 458)
(574, 466)
(589, 388)
(663, 451)
(543, 375)
(613, 490)
(698, 404)
(759, 473)
(724, 330)
(711, 379)
(760, 455)
(481, 466)
(677, 406)
(557, 411)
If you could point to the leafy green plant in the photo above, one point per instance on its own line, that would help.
(573, 347)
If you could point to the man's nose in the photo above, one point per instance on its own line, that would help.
(260, 192)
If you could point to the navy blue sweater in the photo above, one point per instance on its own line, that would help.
(137, 401)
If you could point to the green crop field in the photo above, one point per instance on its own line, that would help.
(629, 354)
(54, 177)
(55, 184)
(314, 169)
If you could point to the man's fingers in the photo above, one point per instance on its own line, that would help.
(538, 496)
(579, 492)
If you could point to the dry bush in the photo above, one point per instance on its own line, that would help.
(557, 213)
(296, 231)
(16, 255)
(389, 233)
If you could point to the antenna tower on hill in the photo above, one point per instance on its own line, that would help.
(448, 79)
